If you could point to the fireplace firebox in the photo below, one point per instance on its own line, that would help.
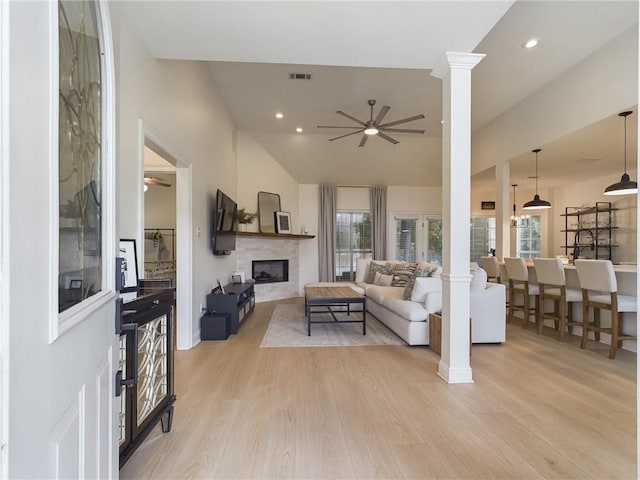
(270, 271)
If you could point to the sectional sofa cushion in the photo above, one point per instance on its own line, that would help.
(391, 298)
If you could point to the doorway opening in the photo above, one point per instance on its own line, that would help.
(165, 226)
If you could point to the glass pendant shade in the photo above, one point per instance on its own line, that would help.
(537, 203)
(625, 186)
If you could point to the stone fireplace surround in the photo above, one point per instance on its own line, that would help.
(264, 248)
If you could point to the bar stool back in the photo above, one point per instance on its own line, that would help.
(552, 283)
(492, 267)
(600, 292)
(519, 286)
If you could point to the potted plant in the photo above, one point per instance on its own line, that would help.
(244, 218)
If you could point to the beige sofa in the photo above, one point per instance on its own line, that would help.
(409, 318)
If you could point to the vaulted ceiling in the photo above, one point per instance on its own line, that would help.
(384, 50)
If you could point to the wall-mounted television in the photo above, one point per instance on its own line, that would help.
(224, 214)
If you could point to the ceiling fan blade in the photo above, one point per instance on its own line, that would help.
(388, 138)
(340, 112)
(156, 181)
(347, 134)
(401, 130)
(404, 120)
(383, 111)
(332, 126)
(364, 140)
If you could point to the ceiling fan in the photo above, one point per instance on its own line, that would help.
(375, 127)
(155, 181)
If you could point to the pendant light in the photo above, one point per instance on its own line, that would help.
(514, 218)
(625, 186)
(536, 203)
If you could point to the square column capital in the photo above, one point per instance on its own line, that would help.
(455, 61)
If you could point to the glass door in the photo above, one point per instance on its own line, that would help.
(418, 237)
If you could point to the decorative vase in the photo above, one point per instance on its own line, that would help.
(242, 227)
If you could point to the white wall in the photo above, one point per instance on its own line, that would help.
(258, 171)
(178, 101)
(414, 200)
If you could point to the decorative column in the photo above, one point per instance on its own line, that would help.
(503, 211)
(455, 71)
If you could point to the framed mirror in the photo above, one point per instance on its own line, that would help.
(268, 203)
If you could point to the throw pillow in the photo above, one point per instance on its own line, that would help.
(401, 278)
(422, 270)
(362, 269)
(423, 286)
(425, 269)
(402, 272)
(376, 267)
(382, 279)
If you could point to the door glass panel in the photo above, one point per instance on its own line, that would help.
(353, 242)
(434, 241)
(418, 238)
(79, 154)
(406, 241)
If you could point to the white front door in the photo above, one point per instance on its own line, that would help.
(58, 264)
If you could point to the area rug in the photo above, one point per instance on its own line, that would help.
(288, 328)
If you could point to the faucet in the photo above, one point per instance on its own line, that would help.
(576, 247)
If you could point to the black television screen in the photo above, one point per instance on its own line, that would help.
(224, 237)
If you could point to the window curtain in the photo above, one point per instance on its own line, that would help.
(379, 221)
(327, 233)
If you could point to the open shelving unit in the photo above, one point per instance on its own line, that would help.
(588, 231)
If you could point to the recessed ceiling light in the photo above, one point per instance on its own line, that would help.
(531, 43)
(279, 115)
(299, 129)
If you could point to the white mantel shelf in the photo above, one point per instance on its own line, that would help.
(285, 236)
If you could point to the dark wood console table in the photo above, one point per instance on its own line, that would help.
(238, 301)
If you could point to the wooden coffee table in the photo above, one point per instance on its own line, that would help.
(323, 298)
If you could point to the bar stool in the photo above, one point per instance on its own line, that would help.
(492, 267)
(553, 286)
(519, 285)
(504, 279)
(600, 292)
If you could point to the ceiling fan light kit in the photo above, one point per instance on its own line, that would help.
(625, 186)
(374, 126)
(537, 203)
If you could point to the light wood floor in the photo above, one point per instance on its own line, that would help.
(538, 409)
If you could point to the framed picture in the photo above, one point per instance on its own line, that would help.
(283, 222)
(127, 250)
(488, 205)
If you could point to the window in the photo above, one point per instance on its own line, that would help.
(353, 242)
(528, 241)
(80, 256)
(418, 237)
(483, 237)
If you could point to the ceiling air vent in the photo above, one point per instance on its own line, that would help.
(300, 76)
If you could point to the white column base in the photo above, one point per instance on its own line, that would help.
(454, 375)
